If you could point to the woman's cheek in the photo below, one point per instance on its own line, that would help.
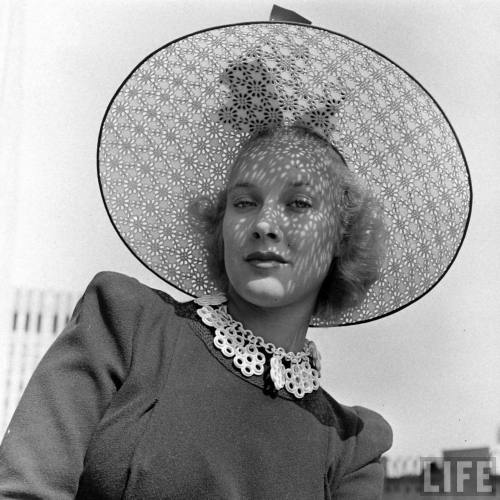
(325, 243)
(235, 229)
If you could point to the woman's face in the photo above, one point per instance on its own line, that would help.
(279, 227)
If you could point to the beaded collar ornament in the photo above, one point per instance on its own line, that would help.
(298, 373)
(177, 123)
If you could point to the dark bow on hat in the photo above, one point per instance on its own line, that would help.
(269, 87)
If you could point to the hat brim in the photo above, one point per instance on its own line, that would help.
(161, 146)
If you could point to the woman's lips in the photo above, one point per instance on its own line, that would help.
(265, 264)
(265, 260)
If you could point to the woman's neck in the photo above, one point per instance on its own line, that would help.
(284, 326)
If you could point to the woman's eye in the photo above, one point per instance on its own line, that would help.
(243, 203)
(300, 204)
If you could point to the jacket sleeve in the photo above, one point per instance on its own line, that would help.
(43, 450)
(363, 475)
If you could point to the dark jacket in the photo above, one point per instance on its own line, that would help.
(133, 401)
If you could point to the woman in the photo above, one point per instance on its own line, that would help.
(180, 422)
(144, 397)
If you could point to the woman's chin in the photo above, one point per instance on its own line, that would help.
(265, 292)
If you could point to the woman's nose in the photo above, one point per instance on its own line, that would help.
(267, 227)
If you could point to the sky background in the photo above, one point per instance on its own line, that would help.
(432, 369)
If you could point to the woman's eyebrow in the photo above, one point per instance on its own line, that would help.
(300, 183)
(242, 185)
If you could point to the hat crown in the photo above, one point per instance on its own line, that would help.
(272, 86)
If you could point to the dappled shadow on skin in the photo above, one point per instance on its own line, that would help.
(282, 199)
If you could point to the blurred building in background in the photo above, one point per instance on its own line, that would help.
(35, 319)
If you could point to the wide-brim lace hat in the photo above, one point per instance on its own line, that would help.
(174, 127)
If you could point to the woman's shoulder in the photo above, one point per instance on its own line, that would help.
(118, 289)
(118, 285)
(362, 435)
(355, 468)
(127, 305)
(374, 437)
(116, 307)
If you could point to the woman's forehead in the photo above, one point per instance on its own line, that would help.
(296, 159)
